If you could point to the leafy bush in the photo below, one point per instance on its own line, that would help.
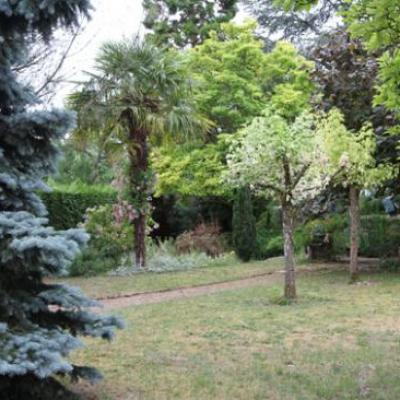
(274, 246)
(67, 205)
(370, 206)
(109, 229)
(390, 264)
(269, 244)
(93, 261)
(204, 238)
(111, 236)
(379, 235)
(323, 237)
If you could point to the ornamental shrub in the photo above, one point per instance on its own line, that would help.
(111, 238)
(204, 238)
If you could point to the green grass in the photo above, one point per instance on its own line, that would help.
(103, 286)
(338, 342)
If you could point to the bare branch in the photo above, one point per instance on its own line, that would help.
(50, 78)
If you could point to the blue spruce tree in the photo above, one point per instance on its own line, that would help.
(39, 322)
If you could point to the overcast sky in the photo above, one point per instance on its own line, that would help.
(111, 20)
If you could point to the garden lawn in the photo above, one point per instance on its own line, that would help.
(105, 286)
(337, 342)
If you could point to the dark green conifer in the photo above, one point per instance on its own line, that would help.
(243, 225)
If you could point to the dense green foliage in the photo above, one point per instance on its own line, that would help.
(229, 70)
(376, 22)
(234, 80)
(269, 231)
(191, 170)
(110, 241)
(67, 205)
(379, 236)
(185, 22)
(351, 154)
(236, 77)
(243, 225)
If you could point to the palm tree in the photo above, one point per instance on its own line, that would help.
(139, 93)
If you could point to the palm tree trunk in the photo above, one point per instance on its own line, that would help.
(139, 160)
(354, 195)
(290, 276)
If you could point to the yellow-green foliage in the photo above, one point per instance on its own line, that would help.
(228, 70)
(235, 80)
(389, 77)
(351, 154)
(295, 5)
(377, 23)
(287, 82)
(194, 171)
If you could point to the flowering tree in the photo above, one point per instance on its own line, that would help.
(284, 159)
(352, 162)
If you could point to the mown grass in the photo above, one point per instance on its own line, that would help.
(337, 342)
(103, 286)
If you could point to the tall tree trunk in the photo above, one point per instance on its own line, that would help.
(139, 190)
(354, 195)
(290, 277)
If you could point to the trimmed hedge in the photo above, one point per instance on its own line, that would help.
(379, 235)
(67, 209)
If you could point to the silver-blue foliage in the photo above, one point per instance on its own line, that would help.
(39, 321)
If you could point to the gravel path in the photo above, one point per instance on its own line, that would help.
(188, 292)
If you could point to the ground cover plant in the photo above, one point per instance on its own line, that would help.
(336, 341)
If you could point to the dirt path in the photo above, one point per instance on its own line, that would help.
(188, 292)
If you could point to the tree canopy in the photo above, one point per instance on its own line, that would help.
(292, 21)
(233, 81)
(184, 23)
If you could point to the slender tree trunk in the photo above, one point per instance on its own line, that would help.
(354, 195)
(290, 276)
(140, 240)
(138, 156)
